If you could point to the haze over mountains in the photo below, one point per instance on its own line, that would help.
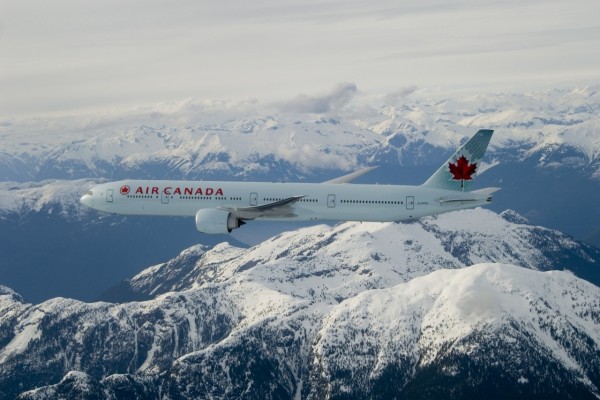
(544, 156)
(545, 141)
(206, 139)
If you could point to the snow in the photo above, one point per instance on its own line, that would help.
(21, 197)
(232, 137)
(356, 296)
(448, 305)
(406, 318)
(24, 335)
(310, 271)
(523, 380)
(333, 263)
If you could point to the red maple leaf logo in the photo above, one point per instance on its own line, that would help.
(124, 190)
(462, 170)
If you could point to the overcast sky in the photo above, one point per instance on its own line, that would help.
(65, 56)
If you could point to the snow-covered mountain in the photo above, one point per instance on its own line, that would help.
(348, 311)
(468, 332)
(544, 156)
(546, 145)
(465, 300)
(204, 139)
(339, 253)
(46, 196)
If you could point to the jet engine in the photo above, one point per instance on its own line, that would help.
(216, 221)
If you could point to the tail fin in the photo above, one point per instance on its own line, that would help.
(458, 172)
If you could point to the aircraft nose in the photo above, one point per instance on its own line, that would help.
(87, 199)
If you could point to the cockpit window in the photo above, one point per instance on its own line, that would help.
(90, 193)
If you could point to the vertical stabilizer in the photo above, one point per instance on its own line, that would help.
(459, 171)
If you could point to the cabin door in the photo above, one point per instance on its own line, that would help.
(331, 201)
(410, 202)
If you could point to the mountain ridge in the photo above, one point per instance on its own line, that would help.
(263, 322)
(460, 305)
(199, 139)
(448, 240)
(364, 343)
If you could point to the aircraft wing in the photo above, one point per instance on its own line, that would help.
(352, 176)
(278, 209)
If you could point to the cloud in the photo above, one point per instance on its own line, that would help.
(68, 56)
(307, 156)
(402, 93)
(336, 99)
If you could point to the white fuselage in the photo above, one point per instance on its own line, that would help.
(321, 201)
(220, 207)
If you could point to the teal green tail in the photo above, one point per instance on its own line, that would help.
(459, 171)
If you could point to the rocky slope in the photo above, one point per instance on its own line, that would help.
(356, 310)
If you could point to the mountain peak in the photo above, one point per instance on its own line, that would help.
(352, 256)
(384, 303)
(462, 314)
(514, 217)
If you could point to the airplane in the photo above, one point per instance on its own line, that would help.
(220, 207)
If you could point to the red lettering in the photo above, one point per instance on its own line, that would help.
(147, 189)
(139, 190)
(188, 191)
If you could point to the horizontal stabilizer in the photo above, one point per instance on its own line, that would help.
(473, 196)
(443, 201)
(485, 191)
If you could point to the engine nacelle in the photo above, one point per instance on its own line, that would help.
(216, 221)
